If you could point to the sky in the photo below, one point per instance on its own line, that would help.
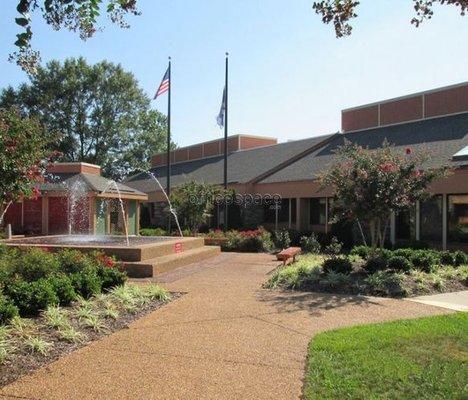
(290, 77)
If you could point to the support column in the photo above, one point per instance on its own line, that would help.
(298, 213)
(326, 215)
(444, 221)
(418, 221)
(289, 216)
(392, 229)
(45, 215)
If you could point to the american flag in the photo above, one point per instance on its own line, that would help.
(164, 86)
(222, 112)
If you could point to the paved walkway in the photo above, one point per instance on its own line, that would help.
(226, 338)
(453, 301)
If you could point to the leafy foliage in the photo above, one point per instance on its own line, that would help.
(370, 185)
(341, 12)
(74, 15)
(194, 202)
(102, 114)
(23, 153)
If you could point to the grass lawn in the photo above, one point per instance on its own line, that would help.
(424, 358)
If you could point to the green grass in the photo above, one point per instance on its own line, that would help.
(424, 358)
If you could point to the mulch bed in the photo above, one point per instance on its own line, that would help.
(23, 363)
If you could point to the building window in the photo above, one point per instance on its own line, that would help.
(293, 210)
(318, 211)
(405, 224)
(283, 211)
(431, 219)
(457, 218)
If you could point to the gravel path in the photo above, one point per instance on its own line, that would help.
(225, 339)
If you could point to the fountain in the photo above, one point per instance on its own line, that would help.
(171, 209)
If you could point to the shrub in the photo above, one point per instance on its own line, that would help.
(376, 263)
(334, 279)
(72, 261)
(424, 260)
(399, 263)
(31, 297)
(281, 239)
(361, 251)
(447, 258)
(334, 248)
(86, 283)
(385, 283)
(249, 241)
(337, 264)
(63, 288)
(111, 277)
(460, 258)
(310, 244)
(407, 253)
(153, 232)
(35, 264)
(7, 309)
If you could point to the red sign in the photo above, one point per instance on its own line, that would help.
(178, 247)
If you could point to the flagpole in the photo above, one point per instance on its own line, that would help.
(168, 151)
(226, 141)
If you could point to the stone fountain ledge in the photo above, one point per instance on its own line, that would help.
(144, 257)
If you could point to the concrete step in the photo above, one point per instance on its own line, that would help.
(164, 263)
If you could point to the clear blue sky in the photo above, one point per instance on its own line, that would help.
(290, 76)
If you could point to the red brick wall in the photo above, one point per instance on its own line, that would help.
(251, 142)
(58, 215)
(212, 148)
(444, 101)
(33, 216)
(402, 110)
(449, 101)
(361, 118)
(13, 217)
(74, 168)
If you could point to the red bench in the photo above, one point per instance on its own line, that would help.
(287, 254)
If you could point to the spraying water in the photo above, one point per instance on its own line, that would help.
(78, 196)
(122, 208)
(171, 209)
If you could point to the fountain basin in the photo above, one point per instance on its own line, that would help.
(140, 247)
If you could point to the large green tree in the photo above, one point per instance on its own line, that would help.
(341, 12)
(101, 113)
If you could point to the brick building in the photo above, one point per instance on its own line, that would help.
(435, 121)
(75, 198)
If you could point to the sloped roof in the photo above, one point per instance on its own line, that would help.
(440, 137)
(243, 165)
(92, 183)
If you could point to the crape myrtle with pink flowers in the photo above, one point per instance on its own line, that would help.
(370, 185)
(23, 156)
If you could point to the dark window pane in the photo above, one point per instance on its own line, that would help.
(431, 219)
(405, 225)
(318, 211)
(458, 218)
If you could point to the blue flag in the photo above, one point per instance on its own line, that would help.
(222, 112)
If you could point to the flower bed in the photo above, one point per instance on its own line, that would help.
(398, 273)
(254, 240)
(29, 343)
(33, 279)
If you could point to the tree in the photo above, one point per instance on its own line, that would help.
(341, 12)
(102, 114)
(75, 15)
(370, 185)
(195, 201)
(23, 157)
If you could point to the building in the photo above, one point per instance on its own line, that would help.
(435, 121)
(75, 198)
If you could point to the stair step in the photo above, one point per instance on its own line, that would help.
(159, 265)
